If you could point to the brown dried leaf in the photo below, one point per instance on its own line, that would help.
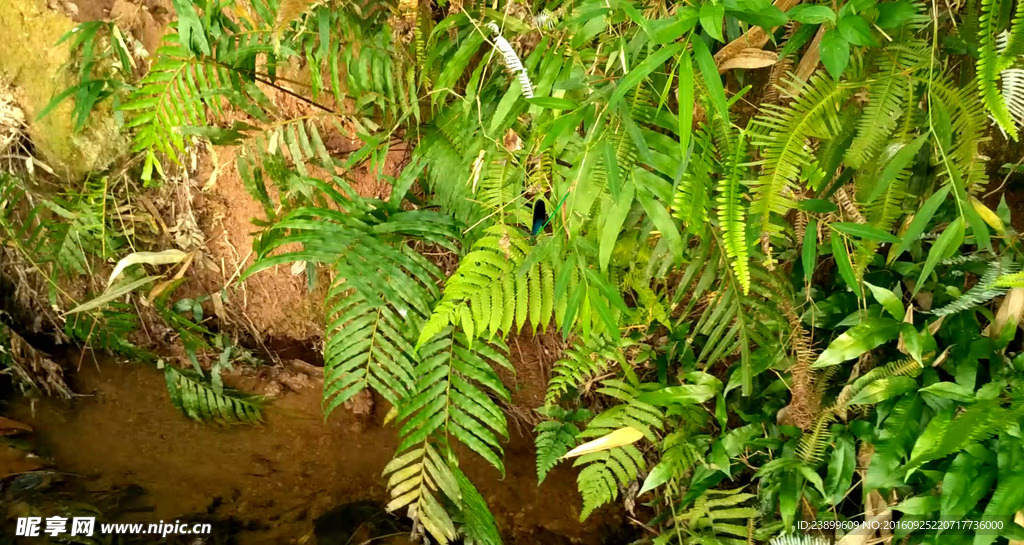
(750, 58)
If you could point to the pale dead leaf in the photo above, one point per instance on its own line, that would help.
(166, 257)
(162, 286)
(617, 438)
(512, 141)
(478, 167)
(908, 318)
(1019, 519)
(1011, 310)
(749, 59)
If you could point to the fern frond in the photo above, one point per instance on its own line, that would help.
(488, 294)
(1014, 44)
(969, 128)
(451, 397)
(182, 90)
(203, 402)
(988, 67)
(713, 513)
(1013, 91)
(421, 479)
(690, 202)
(631, 412)
(985, 290)
(949, 432)
(556, 437)
(785, 140)
(477, 520)
(587, 359)
(811, 448)
(732, 216)
(905, 367)
(886, 97)
(604, 472)
(381, 293)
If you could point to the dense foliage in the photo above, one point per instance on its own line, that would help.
(794, 311)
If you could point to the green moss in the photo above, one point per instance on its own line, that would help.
(28, 32)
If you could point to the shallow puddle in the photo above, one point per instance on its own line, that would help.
(273, 482)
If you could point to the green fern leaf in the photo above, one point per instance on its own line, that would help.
(416, 479)
(887, 95)
(988, 67)
(985, 290)
(732, 217)
(202, 402)
(477, 295)
(555, 437)
(579, 364)
(784, 136)
(603, 473)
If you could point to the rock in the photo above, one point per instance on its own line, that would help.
(39, 70)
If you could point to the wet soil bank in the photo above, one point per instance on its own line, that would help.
(272, 482)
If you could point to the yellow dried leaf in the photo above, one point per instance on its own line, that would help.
(990, 217)
(617, 438)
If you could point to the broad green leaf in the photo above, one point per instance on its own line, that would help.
(844, 264)
(856, 30)
(861, 230)
(920, 222)
(684, 96)
(950, 390)
(662, 220)
(840, 469)
(967, 480)
(663, 31)
(883, 389)
(894, 14)
(947, 243)
(685, 394)
(657, 477)
(1007, 500)
(641, 71)
(612, 224)
(899, 161)
(812, 14)
(867, 335)
(813, 477)
(810, 249)
(712, 81)
(835, 52)
(918, 505)
(820, 206)
(553, 103)
(711, 15)
(888, 300)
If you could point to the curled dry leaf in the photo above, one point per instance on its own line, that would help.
(1010, 311)
(166, 257)
(749, 58)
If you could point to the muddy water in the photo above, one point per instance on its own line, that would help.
(275, 480)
